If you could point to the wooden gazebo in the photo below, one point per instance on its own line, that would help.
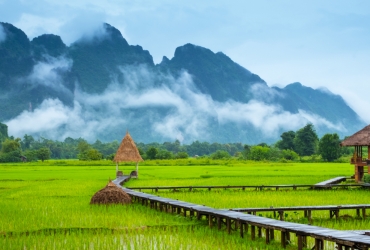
(127, 152)
(358, 140)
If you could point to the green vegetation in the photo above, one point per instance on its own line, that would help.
(304, 141)
(46, 204)
(329, 147)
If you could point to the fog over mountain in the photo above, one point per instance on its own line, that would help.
(100, 86)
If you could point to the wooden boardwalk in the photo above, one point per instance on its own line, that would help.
(258, 226)
(334, 210)
(335, 180)
(253, 187)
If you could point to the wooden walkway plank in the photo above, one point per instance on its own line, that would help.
(335, 180)
(345, 238)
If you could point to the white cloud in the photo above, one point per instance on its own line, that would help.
(35, 25)
(188, 116)
(85, 26)
(47, 73)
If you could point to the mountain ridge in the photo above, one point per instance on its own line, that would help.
(45, 68)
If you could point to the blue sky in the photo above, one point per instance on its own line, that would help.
(317, 43)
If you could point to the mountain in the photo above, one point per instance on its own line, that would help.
(100, 85)
(214, 73)
(96, 61)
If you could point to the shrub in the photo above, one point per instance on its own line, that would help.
(367, 178)
(164, 154)
(182, 155)
(289, 155)
(220, 154)
(259, 153)
(13, 156)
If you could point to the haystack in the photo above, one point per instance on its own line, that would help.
(127, 152)
(111, 194)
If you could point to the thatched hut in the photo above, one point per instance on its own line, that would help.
(359, 140)
(111, 194)
(128, 152)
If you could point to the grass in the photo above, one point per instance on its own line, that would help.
(46, 205)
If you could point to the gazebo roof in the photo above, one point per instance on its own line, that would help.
(127, 151)
(360, 138)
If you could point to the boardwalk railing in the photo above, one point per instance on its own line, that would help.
(244, 222)
(254, 187)
(333, 210)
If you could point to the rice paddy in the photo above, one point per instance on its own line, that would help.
(46, 206)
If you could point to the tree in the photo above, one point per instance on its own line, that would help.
(83, 146)
(305, 141)
(287, 140)
(94, 155)
(164, 154)
(43, 154)
(10, 145)
(151, 153)
(3, 132)
(329, 147)
(259, 153)
(182, 155)
(30, 154)
(289, 155)
(27, 141)
(220, 154)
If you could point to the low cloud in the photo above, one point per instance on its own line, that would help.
(263, 93)
(181, 111)
(84, 27)
(2, 34)
(47, 73)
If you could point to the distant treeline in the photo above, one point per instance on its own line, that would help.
(293, 146)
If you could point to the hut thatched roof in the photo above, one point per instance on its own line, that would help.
(360, 138)
(127, 151)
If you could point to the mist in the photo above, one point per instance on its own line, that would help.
(2, 33)
(48, 72)
(170, 107)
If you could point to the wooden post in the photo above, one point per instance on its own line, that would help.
(359, 173)
(288, 237)
(364, 213)
(218, 223)
(242, 229)
(283, 239)
(300, 242)
(137, 169)
(309, 216)
(267, 236)
(281, 215)
(228, 225)
(319, 244)
(253, 232)
(210, 221)
(272, 234)
(259, 232)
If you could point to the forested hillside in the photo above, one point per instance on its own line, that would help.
(100, 85)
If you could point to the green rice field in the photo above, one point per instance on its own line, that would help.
(46, 205)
